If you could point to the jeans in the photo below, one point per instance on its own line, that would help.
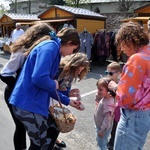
(102, 142)
(132, 130)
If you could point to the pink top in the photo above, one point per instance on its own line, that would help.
(104, 114)
(133, 90)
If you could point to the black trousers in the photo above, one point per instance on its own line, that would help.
(113, 132)
(20, 132)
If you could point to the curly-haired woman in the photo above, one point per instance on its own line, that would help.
(133, 90)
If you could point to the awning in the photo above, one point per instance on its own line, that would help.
(142, 18)
(127, 19)
(54, 20)
(11, 23)
(145, 19)
(25, 23)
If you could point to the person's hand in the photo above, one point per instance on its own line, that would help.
(112, 86)
(81, 107)
(98, 94)
(101, 134)
(96, 103)
(76, 104)
(74, 92)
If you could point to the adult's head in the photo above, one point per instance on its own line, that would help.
(18, 26)
(130, 38)
(75, 66)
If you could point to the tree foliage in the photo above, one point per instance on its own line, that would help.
(56, 2)
(76, 3)
(3, 9)
(14, 3)
(124, 5)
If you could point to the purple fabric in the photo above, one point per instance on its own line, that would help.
(117, 113)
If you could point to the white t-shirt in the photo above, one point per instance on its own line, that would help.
(16, 34)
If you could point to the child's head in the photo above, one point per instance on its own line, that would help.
(69, 40)
(75, 65)
(102, 86)
(113, 71)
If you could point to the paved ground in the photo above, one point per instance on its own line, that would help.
(83, 136)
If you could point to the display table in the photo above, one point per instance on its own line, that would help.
(5, 43)
(6, 48)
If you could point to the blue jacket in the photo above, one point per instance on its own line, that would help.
(35, 84)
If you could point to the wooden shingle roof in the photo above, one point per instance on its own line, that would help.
(24, 17)
(76, 11)
(80, 11)
(110, 1)
(147, 6)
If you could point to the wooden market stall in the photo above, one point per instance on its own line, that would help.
(142, 13)
(8, 22)
(79, 18)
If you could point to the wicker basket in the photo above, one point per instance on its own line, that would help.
(67, 122)
(64, 125)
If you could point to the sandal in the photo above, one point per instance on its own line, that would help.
(61, 144)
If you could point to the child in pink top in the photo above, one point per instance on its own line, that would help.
(104, 113)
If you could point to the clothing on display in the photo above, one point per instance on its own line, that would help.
(68, 25)
(86, 40)
(104, 46)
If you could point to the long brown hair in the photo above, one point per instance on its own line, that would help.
(71, 64)
(33, 35)
(40, 32)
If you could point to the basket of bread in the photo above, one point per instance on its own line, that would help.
(63, 117)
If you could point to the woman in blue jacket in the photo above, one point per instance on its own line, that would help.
(35, 85)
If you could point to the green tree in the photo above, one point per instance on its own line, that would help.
(14, 4)
(56, 2)
(3, 9)
(76, 3)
